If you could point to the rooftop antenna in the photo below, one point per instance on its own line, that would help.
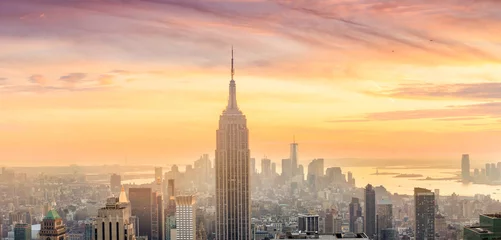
(232, 69)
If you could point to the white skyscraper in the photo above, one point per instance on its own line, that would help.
(185, 218)
(232, 172)
(113, 222)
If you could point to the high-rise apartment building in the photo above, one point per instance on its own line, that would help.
(424, 201)
(53, 227)
(355, 213)
(384, 217)
(22, 231)
(370, 211)
(232, 171)
(186, 221)
(465, 167)
(273, 169)
(114, 221)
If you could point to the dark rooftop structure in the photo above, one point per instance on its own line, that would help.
(314, 235)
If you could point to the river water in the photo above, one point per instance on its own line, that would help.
(366, 175)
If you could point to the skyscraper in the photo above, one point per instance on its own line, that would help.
(384, 217)
(370, 211)
(266, 167)
(158, 175)
(465, 167)
(22, 231)
(273, 169)
(232, 171)
(113, 222)
(424, 201)
(115, 183)
(293, 157)
(157, 217)
(185, 218)
(52, 227)
(286, 169)
(355, 213)
(140, 201)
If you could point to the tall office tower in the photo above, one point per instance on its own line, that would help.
(293, 157)
(316, 167)
(370, 211)
(487, 169)
(335, 175)
(355, 213)
(351, 180)
(52, 227)
(113, 222)
(157, 217)
(424, 201)
(186, 221)
(232, 172)
(203, 169)
(266, 167)
(308, 223)
(22, 231)
(286, 169)
(300, 170)
(89, 231)
(384, 217)
(253, 166)
(115, 183)
(141, 208)
(333, 222)
(465, 167)
(358, 225)
(158, 175)
(273, 169)
(171, 196)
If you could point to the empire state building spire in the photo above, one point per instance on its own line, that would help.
(232, 98)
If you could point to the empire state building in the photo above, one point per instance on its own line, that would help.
(232, 171)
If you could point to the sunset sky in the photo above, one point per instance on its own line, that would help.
(98, 82)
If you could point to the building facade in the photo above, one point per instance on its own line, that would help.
(22, 231)
(114, 221)
(308, 223)
(384, 218)
(53, 227)
(233, 203)
(186, 221)
(465, 167)
(355, 213)
(424, 202)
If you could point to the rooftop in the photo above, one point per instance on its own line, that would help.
(52, 214)
(493, 215)
(479, 229)
(327, 236)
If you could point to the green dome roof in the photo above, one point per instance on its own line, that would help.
(52, 214)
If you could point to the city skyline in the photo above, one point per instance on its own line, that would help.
(103, 82)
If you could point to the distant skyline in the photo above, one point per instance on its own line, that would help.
(96, 82)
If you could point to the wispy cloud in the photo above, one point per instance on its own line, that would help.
(482, 91)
